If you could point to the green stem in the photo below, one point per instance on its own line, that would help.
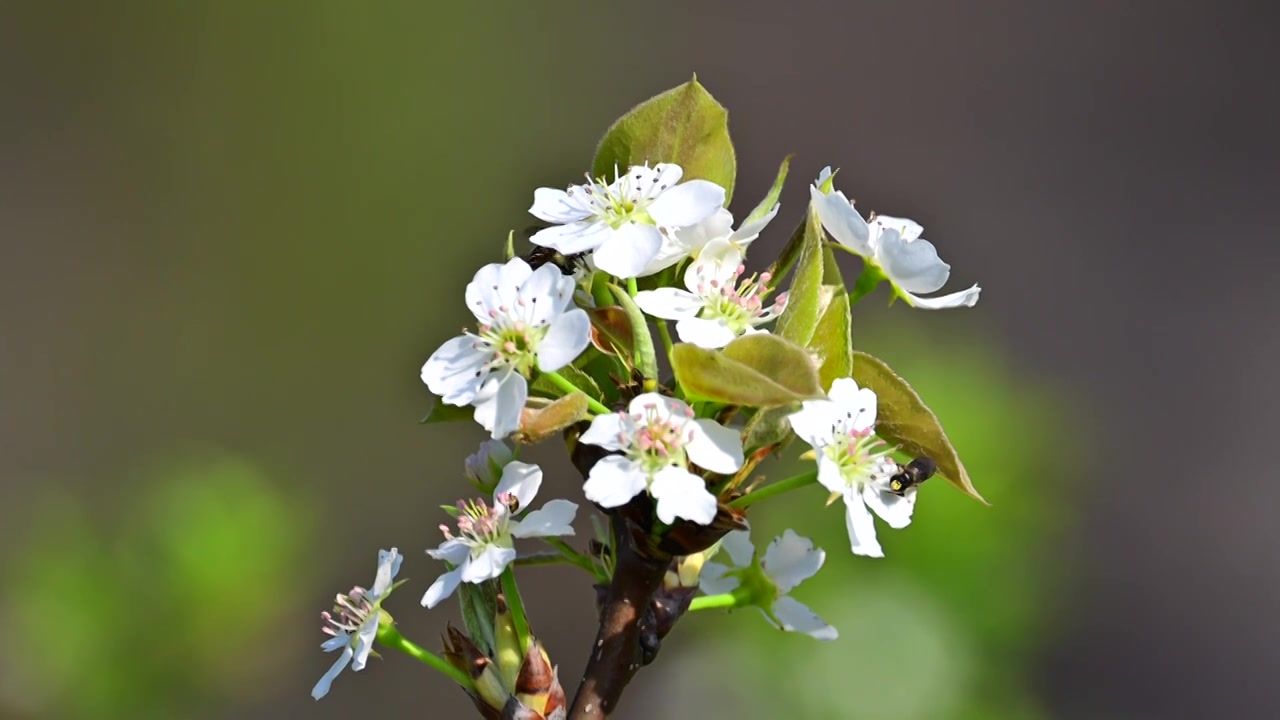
(518, 618)
(665, 332)
(573, 556)
(563, 383)
(389, 637)
(867, 281)
(545, 558)
(632, 287)
(777, 488)
(711, 602)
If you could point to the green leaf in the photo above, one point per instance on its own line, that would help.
(809, 294)
(539, 423)
(832, 341)
(766, 205)
(581, 380)
(479, 605)
(903, 418)
(684, 125)
(758, 370)
(441, 412)
(642, 340)
(767, 427)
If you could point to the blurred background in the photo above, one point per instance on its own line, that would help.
(232, 233)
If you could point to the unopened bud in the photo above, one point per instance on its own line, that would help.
(537, 683)
(484, 467)
(508, 653)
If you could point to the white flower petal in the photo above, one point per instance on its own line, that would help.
(964, 298)
(661, 407)
(322, 687)
(628, 250)
(829, 475)
(680, 493)
(842, 220)
(669, 303)
(718, 261)
(538, 296)
(488, 565)
(613, 481)
(912, 266)
(499, 403)
(714, 581)
(521, 480)
(862, 529)
(709, 334)
(907, 228)
(814, 422)
(606, 431)
(791, 559)
(738, 545)
(364, 642)
(453, 551)
(573, 238)
(743, 236)
(442, 588)
(554, 519)
(337, 642)
(687, 203)
(557, 206)
(856, 406)
(482, 295)
(794, 616)
(894, 509)
(565, 340)
(456, 371)
(388, 567)
(714, 447)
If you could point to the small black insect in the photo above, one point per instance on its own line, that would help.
(912, 474)
(539, 256)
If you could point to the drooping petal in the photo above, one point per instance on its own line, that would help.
(964, 298)
(862, 529)
(738, 545)
(680, 493)
(856, 405)
(842, 220)
(715, 581)
(613, 481)
(388, 567)
(628, 250)
(606, 431)
(456, 371)
(791, 559)
(521, 480)
(669, 303)
(489, 564)
(322, 687)
(565, 340)
(554, 519)
(337, 642)
(705, 333)
(687, 203)
(713, 446)
(453, 551)
(364, 642)
(912, 266)
(576, 237)
(814, 422)
(557, 206)
(795, 616)
(894, 509)
(499, 403)
(442, 588)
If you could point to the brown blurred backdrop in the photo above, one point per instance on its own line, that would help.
(232, 232)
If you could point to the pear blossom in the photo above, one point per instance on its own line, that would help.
(719, 304)
(527, 320)
(623, 222)
(484, 467)
(854, 464)
(891, 247)
(658, 438)
(485, 544)
(688, 242)
(789, 561)
(353, 624)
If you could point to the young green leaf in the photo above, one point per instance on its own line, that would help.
(766, 205)
(832, 341)
(641, 338)
(809, 295)
(685, 126)
(903, 418)
(758, 370)
(543, 385)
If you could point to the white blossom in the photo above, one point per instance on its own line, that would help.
(485, 544)
(852, 463)
(658, 437)
(789, 561)
(688, 242)
(891, 246)
(622, 223)
(719, 304)
(353, 624)
(527, 320)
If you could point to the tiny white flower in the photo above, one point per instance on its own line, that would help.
(891, 246)
(789, 561)
(658, 438)
(486, 535)
(719, 305)
(689, 241)
(527, 320)
(623, 222)
(852, 463)
(353, 624)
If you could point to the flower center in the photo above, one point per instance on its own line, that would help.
(511, 339)
(861, 456)
(624, 200)
(738, 302)
(657, 441)
(480, 525)
(350, 611)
